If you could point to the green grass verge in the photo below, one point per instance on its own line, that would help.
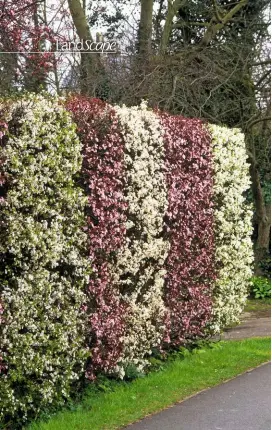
(177, 380)
(258, 307)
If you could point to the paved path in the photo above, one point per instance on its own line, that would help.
(249, 327)
(240, 404)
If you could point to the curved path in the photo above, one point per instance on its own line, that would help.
(240, 404)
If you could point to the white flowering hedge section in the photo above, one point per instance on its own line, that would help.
(143, 256)
(233, 225)
(108, 251)
(44, 268)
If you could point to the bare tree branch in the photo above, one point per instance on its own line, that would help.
(173, 7)
(214, 28)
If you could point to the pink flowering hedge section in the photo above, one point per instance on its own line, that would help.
(189, 222)
(121, 233)
(103, 175)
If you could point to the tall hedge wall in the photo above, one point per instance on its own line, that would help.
(43, 260)
(124, 231)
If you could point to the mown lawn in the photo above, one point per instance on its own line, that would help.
(124, 403)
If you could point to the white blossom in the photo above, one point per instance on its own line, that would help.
(233, 225)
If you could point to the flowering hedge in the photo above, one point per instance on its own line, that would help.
(123, 172)
(189, 221)
(155, 205)
(140, 264)
(233, 227)
(163, 276)
(103, 177)
(43, 264)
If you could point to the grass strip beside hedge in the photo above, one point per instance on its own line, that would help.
(178, 379)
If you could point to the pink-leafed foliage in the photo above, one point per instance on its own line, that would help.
(20, 32)
(32, 28)
(189, 224)
(103, 176)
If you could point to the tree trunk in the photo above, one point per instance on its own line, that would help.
(173, 7)
(263, 241)
(35, 75)
(90, 63)
(216, 26)
(263, 218)
(145, 30)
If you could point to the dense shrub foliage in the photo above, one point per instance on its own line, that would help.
(103, 175)
(123, 234)
(261, 287)
(43, 265)
(123, 170)
(189, 220)
(233, 228)
(140, 264)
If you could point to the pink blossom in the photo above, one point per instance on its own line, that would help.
(189, 224)
(104, 179)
